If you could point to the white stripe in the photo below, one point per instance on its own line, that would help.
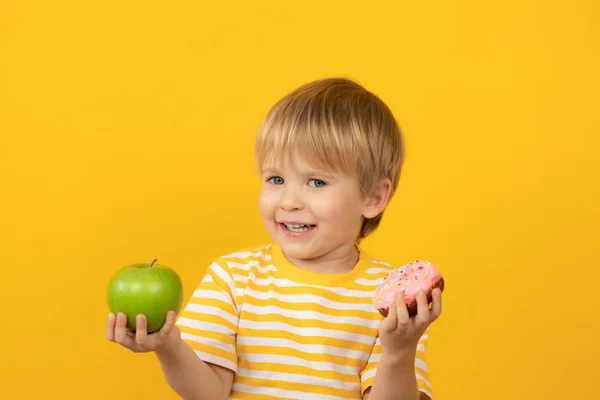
(282, 394)
(211, 358)
(211, 294)
(221, 273)
(421, 364)
(420, 377)
(369, 374)
(286, 283)
(239, 278)
(372, 372)
(248, 254)
(205, 326)
(298, 378)
(421, 347)
(239, 292)
(296, 361)
(368, 282)
(375, 357)
(309, 298)
(208, 342)
(311, 315)
(426, 392)
(306, 348)
(251, 263)
(319, 332)
(210, 310)
(380, 262)
(373, 271)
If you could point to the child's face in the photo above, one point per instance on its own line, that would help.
(308, 212)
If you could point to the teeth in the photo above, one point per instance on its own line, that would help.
(297, 228)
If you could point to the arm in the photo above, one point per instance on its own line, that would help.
(184, 371)
(395, 379)
(192, 378)
(179, 346)
(200, 363)
(395, 376)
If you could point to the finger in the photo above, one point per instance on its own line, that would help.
(436, 307)
(110, 327)
(401, 309)
(121, 336)
(141, 333)
(390, 322)
(422, 308)
(168, 326)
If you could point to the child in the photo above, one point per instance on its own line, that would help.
(294, 319)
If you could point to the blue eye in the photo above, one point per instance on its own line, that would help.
(276, 180)
(316, 183)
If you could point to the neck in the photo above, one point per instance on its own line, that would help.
(340, 260)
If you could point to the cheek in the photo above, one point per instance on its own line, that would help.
(266, 203)
(341, 210)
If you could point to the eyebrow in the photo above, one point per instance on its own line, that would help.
(270, 171)
(310, 172)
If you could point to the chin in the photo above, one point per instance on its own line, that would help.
(298, 251)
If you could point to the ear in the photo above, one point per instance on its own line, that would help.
(378, 199)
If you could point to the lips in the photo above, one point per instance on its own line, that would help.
(296, 227)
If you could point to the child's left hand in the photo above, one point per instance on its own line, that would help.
(399, 332)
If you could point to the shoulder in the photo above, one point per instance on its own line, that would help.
(243, 259)
(231, 270)
(373, 267)
(257, 253)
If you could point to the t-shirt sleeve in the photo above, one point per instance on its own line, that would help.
(368, 374)
(209, 320)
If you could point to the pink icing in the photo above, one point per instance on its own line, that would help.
(409, 278)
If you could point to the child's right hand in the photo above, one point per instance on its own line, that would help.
(141, 341)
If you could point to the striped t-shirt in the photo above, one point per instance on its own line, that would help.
(289, 333)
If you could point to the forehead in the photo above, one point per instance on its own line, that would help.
(299, 162)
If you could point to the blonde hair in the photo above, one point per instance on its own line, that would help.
(341, 127)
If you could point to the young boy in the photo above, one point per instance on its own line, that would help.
(294, 319)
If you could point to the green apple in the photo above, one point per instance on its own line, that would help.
(149, 289)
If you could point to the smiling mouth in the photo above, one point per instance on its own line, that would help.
(297, 228)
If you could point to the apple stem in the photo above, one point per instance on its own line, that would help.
(155, 260)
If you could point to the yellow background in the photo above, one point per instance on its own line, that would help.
(126, 131)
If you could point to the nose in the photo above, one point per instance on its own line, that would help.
(290, 200)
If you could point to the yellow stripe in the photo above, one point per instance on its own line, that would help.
(422, 385)
(299, 387)
(319, 340)
(251, 396)
(208, 301)
(371, 316)
(218, 336)
(310, 323)
(244, 260)
(220, 282)
(367, 383)
(296, 369)
(303, 290)
(424, 374)
(212, 318)
(310, 357)
(349, 285)
(216, 351)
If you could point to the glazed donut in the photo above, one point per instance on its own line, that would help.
(409, 278)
